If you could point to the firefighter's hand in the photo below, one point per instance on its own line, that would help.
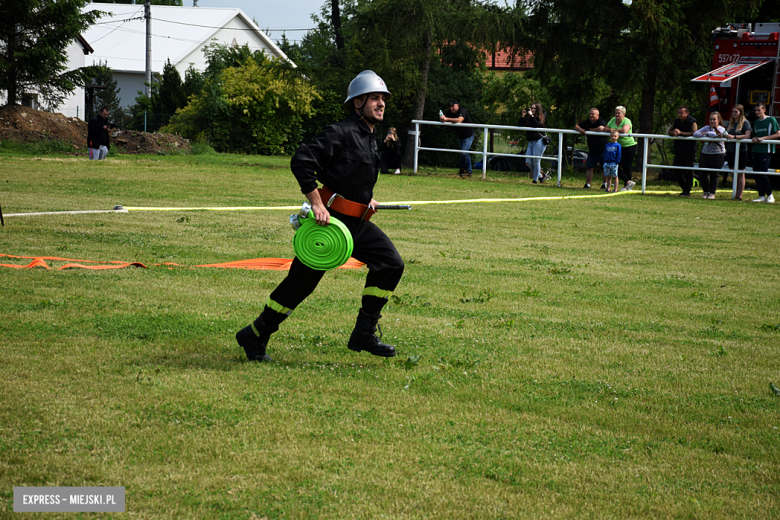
(373, 203)
(321, 215)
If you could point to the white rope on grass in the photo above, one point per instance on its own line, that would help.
(117, 209)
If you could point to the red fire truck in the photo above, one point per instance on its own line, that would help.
(746, 68)
(746, 71)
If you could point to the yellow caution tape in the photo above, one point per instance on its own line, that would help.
(414, 202)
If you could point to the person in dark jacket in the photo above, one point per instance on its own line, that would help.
(684, 150)
(391, 152)
(344, 159)
(97, 135)
(464, 134)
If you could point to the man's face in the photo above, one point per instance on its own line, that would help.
(374, 107)
(454, 108)
(593, 116)
(759, 111)
(104, 114)
(682, 114)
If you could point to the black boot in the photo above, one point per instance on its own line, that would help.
(254, 338)
(364, 336)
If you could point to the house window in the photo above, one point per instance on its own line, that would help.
(30, 100)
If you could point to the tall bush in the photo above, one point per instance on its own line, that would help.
(249, 103)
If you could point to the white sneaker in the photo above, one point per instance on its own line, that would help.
(706, 194)
(770, 199)
(397, 172)
(630, 185)
(760, 199)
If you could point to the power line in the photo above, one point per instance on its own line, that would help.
(231, 28)
(116, 28)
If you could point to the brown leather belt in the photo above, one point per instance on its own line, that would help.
(336, 202)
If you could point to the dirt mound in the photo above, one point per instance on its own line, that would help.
(26, 125)
(130, 141)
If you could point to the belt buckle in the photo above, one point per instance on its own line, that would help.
(330, 200)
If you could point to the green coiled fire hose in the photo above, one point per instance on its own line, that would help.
(322, 247)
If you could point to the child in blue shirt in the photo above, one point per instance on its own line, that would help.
(612, 153)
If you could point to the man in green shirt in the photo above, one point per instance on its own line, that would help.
(765, 128)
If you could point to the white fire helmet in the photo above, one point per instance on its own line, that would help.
(365, 83)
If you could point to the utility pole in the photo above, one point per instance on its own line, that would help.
(148, 16)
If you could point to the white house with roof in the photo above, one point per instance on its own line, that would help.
(178, 34)
(73, 104)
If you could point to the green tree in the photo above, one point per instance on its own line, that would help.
(194, 81)
(100, 74)
(249, 103)
(34, 35)
(169, 94)
(318, 58)
(400, 38)
(640, 49)
(153, 2)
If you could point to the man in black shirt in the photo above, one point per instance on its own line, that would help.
(596, 143)
(344, 158)
(97, 135)
(684, 150)
(465, 135)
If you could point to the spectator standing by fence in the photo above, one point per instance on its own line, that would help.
(611, 156)
(713, 154)
(594, 123)
(738, 128)
(465, 135)
(765, 128)
(391, 152)
(628, 144)
(534, 117)
(684, 151)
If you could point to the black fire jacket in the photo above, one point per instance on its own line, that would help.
(342, 157)
(96, 134)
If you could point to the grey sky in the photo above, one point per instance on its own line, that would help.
(273, 14)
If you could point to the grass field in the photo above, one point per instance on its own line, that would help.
(603, 357)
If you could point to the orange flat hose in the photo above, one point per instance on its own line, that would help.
(265, 264)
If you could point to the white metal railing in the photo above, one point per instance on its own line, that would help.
(734, 169)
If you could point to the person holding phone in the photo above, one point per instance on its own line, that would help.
(534, 117)
(391, 152)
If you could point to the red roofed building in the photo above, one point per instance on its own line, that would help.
(503, 60)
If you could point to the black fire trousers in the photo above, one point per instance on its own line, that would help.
(628, 154)
(370, 245)
(685, 177)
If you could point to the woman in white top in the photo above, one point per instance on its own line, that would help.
(713, 155)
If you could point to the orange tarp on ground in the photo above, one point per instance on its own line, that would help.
(40, 261)
(273, 264)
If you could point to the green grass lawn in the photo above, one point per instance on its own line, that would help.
(602, 357)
